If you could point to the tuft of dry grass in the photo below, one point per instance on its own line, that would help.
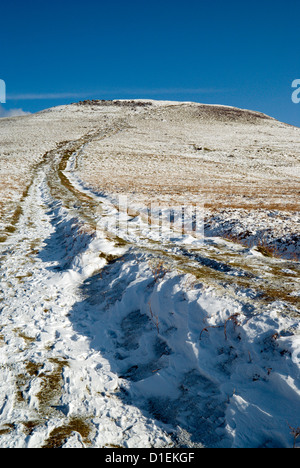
(154, 318)
(262, 246)
(158, 269)
(6, 429)
(29, 426)
(110, 258)
(51, 385)
(267, 250)
(59, 435)
(295, 431)
(33, 368)
(234, 320)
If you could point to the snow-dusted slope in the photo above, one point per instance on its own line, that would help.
(115, 332)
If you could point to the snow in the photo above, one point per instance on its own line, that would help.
(148, 339)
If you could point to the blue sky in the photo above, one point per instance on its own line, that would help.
(236, 53)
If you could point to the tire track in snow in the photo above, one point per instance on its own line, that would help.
(51, 375)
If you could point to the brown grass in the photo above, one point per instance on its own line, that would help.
(51, 385)
(262, 246)
(154, 318)
(232, 318)
(158, 269)
(29, 426)
(26, 338)
(59, 435)
(295, 433)
(6, 429)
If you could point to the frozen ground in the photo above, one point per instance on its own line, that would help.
(116, 333)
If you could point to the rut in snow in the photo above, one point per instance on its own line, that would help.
(99, 350)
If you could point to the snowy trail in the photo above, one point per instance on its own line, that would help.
(52, 377)
(103, 345)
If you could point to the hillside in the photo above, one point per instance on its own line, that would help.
(122, 326)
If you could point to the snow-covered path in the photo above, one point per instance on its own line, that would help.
(48, 369)
(129, 342)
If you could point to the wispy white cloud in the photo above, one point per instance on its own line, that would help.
(41, 96)
(157, 91)
(11, 112)
(115, 91)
